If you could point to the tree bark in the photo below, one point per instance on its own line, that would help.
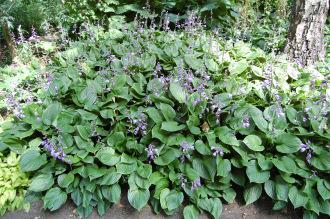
(305, 43)
(9, 40)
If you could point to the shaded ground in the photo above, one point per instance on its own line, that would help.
(260, 210)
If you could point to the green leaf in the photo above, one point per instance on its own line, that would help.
(125, 168)
(172, 126)
(323, 190)
(229, 195)
(111, 177)
(107, 156)
(173, 200)
(252, 193)
(42, 182)
(167, 156)
(193, 62)
(237, 68)
(88, 95)
(255, 174)
(87, 115)
(202, 148)
(190, 212)
(144, 171)
(167, 111)
(258, 118)
(282, 190)
(321, 161)
(31, 160)
(253, 142)
(154, 115)
(51, 112)
(112, 193)
(226, 135)
(138, 198)
(206, 167)
(288, 143)
(178, 93)
(297, 198)
(65, 180)
(269, 187)
(223, 167)
(285, 164)
(211, 205)
(54, 199)
(83, 132)
(309, 215)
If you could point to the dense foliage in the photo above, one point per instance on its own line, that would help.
(174, 115)
(13, 184)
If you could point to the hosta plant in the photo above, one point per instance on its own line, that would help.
(173, 116)
(13, 184)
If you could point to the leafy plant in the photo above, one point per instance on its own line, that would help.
(13, 184)
(174, 115)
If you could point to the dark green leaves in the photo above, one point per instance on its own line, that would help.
(172, 126)
(170, 199)
(54, 199)
(287, 143)
(107, 156)
(206, 168)
(167, 156)
(297, 198)
(190, 212)
(252, 193)
(255, 174)
(253, 142)
(65, 180)
(51, 113)
(178, 93)
(227, 136)
(138, 198)
(31, 160)
(41, 182)
(211, 205)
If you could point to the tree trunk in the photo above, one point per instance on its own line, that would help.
(9, 40)
(305, 43)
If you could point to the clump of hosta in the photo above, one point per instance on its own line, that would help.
(173, 116)
(13, 184)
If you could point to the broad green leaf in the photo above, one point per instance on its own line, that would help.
(178, 93)
(202, 148)
(54, 199)
(51, 112)
(223, 167)
(323, 190)
(167, 111)
(226, 136)
(297, 198)
(269, 188)
(321, 161)
(255, 174)
(287, 143)
(193, 62)
(112, 193)
(253, 142)
(282, 190)
(309, 215)
(258, 118)
(154, 115)
(239, 67)
(65, 180)
(31, 160)
(229, 195)
(173, 200)
(42, 182)
(206, 167)
(252, 193)
(166, 157)
(211, 205)
(285, 164)
(172, 126)
(107, 156)
(190, 212)
(138, 198)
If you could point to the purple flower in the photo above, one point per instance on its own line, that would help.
(196, 183)
(152, 152)
(217, 151)
(185, 147)
(246, 122)
(55, 151)
(183, 181)
(139, 124)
